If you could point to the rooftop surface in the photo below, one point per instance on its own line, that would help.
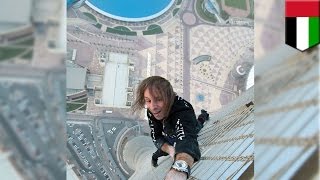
(115, 81)
(76, 77)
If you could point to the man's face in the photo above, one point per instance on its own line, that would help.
(154, 104)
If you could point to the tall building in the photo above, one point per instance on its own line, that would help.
(287, 115)
(226, 143)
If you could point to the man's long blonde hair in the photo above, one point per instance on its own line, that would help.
(158, 87)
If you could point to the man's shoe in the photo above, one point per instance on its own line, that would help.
(154, 162)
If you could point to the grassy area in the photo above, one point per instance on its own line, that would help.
(179, 2)
(153, 29)
(27, 42)
(175, 11)
(91, 16)
(251, 15)
(204, 15)
(72, 107)
(83, 108)
(98, 25)
(153, 26)
(28, 55)
(122, 28)
(240, 4)
(84, 100)
(9, 52)
(116, 31)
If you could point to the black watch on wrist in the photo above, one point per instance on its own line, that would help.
(181, 166)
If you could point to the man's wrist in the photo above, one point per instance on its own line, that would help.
(167, 148)
(185, 157)
(185, 174)
(171, 150)
(181, 166)
(176, 175)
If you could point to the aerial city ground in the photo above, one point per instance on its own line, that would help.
(204, 48)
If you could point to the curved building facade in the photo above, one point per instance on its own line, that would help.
(131, 11)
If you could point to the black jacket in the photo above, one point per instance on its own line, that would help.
(179, 129)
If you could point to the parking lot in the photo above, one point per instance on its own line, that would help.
(83, 146)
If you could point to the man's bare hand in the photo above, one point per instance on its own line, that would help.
(171, 152)
(168, 149)
(175, 175)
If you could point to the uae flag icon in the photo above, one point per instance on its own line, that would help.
(302, 23)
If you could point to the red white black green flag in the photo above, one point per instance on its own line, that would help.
(302, 23)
